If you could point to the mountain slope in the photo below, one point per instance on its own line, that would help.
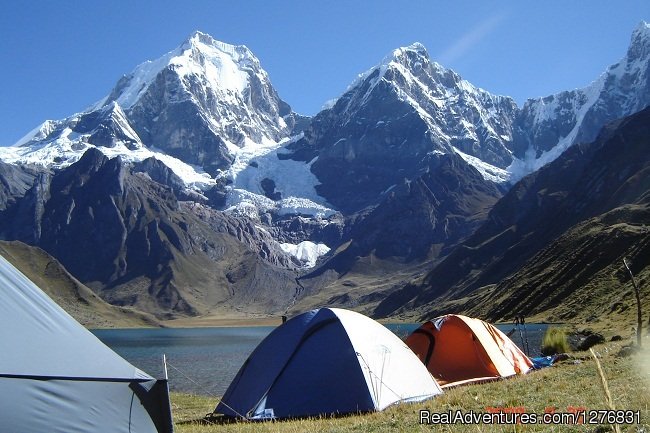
(130, 240)
(417, 222)
(436, 210)
(75, 298)
(581, 274)
(586, 182)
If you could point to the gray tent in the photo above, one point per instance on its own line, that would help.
(55, 375)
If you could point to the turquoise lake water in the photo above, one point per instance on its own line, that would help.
(205, 360)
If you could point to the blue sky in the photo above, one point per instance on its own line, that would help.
(58, 57)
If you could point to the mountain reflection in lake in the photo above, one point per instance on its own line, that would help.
(205, 360)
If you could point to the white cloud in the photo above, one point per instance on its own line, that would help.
(470, 39)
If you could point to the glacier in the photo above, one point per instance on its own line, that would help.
(306, 252)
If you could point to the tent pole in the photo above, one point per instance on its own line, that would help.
(523, 324)
(165, 367)
(521, 335)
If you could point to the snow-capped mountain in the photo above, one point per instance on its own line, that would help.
(202, 103)
(457, 114)
(407, 109)
(393, 120)
(546, 127)
(205, 109)
(208, 110)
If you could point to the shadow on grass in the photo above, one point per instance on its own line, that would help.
(210, 419)
(218, 419)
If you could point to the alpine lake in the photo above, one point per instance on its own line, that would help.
(205, 360)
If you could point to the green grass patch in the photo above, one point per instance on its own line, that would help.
(572, 384)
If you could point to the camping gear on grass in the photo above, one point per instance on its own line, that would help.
(56, 376)
(326, 362)
(458, 349)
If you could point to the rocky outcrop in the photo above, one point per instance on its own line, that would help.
(14, 183)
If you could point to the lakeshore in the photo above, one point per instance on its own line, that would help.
(223, 321)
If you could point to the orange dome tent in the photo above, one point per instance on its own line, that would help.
(457, 349)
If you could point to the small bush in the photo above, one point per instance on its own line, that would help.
(555, 341)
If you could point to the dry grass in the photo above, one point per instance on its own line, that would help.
(573, 383)
(554, 341)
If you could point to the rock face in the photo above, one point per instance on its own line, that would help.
(420, 219)
(107, 127)
(14, 183)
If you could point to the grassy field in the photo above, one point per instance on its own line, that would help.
(570, 384)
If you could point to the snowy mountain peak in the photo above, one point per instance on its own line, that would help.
(414, 49)
(206, 44)
(418, 47)
(198, 37)
(412, 65)
(202, 102)
(218, 65)
(413, 58)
